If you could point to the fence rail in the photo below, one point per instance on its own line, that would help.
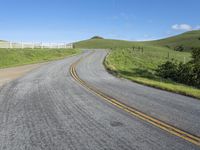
(22, 45)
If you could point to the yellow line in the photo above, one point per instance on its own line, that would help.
(133, 111)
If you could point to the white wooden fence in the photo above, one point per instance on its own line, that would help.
(22, 45)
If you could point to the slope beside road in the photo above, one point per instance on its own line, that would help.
(47, 109)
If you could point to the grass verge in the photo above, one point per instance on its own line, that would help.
(18, 57)
(139, 66)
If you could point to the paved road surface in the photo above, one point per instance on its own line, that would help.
(47, 109)
(180, 111)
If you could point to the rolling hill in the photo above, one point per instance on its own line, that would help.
(138, 61)
(186, 41)
(3, 41)
(104, 43)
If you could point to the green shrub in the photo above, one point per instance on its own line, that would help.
(179, 48)
(167, 46)
(168, 70)
(197, 74)
(188, 73)
(196, 55)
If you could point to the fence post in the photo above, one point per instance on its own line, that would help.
(22, 45)
(33, 45)
(40, 45)
(10, 44)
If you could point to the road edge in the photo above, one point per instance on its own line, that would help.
(117, 75)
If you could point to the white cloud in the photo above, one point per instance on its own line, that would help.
(185, 27)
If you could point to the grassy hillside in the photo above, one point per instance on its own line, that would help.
(186, 40)
(2, 41)
(104, 44)
(137, 61)
(139, 66)
(16, 57)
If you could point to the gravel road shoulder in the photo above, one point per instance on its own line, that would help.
(9, 74)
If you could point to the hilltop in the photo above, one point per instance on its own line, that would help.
(185, 41)
(104, 43)
(182, 42)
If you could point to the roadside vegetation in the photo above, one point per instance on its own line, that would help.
(17, 57)
(148, 62)
(141, 66)
(186, 73)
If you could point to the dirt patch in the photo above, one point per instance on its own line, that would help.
(9, 74)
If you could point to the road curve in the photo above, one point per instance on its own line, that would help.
(46, 109)
(175, 109)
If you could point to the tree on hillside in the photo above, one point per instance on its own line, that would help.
(196, 55)
(97, 37)
(179, 48)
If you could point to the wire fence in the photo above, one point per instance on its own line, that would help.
(33, 45)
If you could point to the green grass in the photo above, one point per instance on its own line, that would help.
(17, 57)
(140, 67)
(104, 44)
(187, 40)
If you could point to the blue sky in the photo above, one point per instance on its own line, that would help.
(74, 20)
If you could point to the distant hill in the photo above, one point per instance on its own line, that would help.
(3, 41)
(104, 43)
(185, 41)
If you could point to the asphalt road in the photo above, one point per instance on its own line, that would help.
(180, 111)
(47, 110)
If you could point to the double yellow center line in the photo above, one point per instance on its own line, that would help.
(133, 111)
